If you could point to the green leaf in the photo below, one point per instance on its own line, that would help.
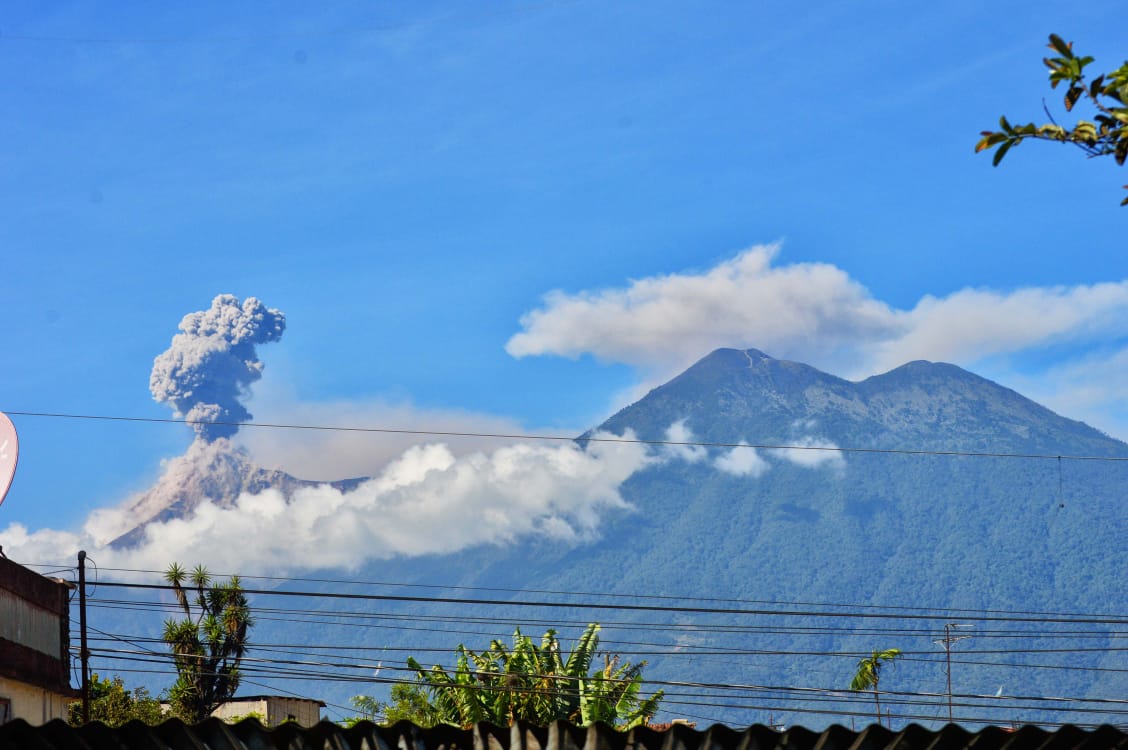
(1072, 96)
(1058, 45)
(1002, 152)
(1096, 86)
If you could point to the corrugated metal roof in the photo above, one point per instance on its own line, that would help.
(249, 734)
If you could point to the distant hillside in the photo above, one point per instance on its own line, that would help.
(923, 405)
(911, 527)
(906, 518)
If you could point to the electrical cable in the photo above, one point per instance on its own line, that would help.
(1115, 620)
(314, 618)
(589, 594)
(562, 438)
(136, 641)
(320, 676)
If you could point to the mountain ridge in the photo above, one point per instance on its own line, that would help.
(956, 509)
(787, 391)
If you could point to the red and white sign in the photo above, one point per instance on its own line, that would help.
(9, 454)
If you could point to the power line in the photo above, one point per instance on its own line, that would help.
(1098, 620)
(631, 596)
(396, 620)
(286, 649)
(687, 628)
(562, 438)
(267, 668)
(680, 650)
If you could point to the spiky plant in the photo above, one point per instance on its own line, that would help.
(208, 643)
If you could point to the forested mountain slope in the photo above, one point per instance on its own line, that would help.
(949, 503)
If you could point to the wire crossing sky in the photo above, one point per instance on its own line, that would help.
(353, 658)
(516, 218)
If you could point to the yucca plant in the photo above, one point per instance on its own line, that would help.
(208, 644)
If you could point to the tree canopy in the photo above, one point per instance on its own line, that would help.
(208, 643)
(1106, 134)
(113, 705)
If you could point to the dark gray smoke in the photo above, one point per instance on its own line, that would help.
(212, 361)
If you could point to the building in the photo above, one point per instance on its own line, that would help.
(34, 645)
(272, 710)
(560, 735)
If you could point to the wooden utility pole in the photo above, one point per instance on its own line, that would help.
(83, 653)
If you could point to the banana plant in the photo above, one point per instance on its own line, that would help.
(534, 682)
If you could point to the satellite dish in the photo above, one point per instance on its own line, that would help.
(9, 454)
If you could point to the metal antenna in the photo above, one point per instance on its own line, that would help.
(947, 642)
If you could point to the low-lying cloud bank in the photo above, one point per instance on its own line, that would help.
(817, 314)
(328, 455)
(426, 501)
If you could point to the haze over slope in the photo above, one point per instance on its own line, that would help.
(928, 530)
(957, 530)
(899, 516)
(909, 520)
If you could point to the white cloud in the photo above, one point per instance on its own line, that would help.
(667, 322)
(742, 462)
(677, 435)
(816, 313)
(811, 453)
(973, 324)
(327, 455)
(1090, 388)
(426, 501)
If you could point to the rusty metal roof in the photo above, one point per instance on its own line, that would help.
(249, 734)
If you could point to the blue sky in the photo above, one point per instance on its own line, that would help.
(408, 182)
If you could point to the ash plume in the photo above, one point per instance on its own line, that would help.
(212, 361)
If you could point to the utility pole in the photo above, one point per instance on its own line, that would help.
(947, 642)
(83, 653)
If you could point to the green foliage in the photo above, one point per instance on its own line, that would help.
(408, 702)
(1106, 134)
(207, 644)
(868, 675)
(113, 705)
(526, 682)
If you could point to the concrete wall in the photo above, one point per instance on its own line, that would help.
(33, 704)
(272, 709)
